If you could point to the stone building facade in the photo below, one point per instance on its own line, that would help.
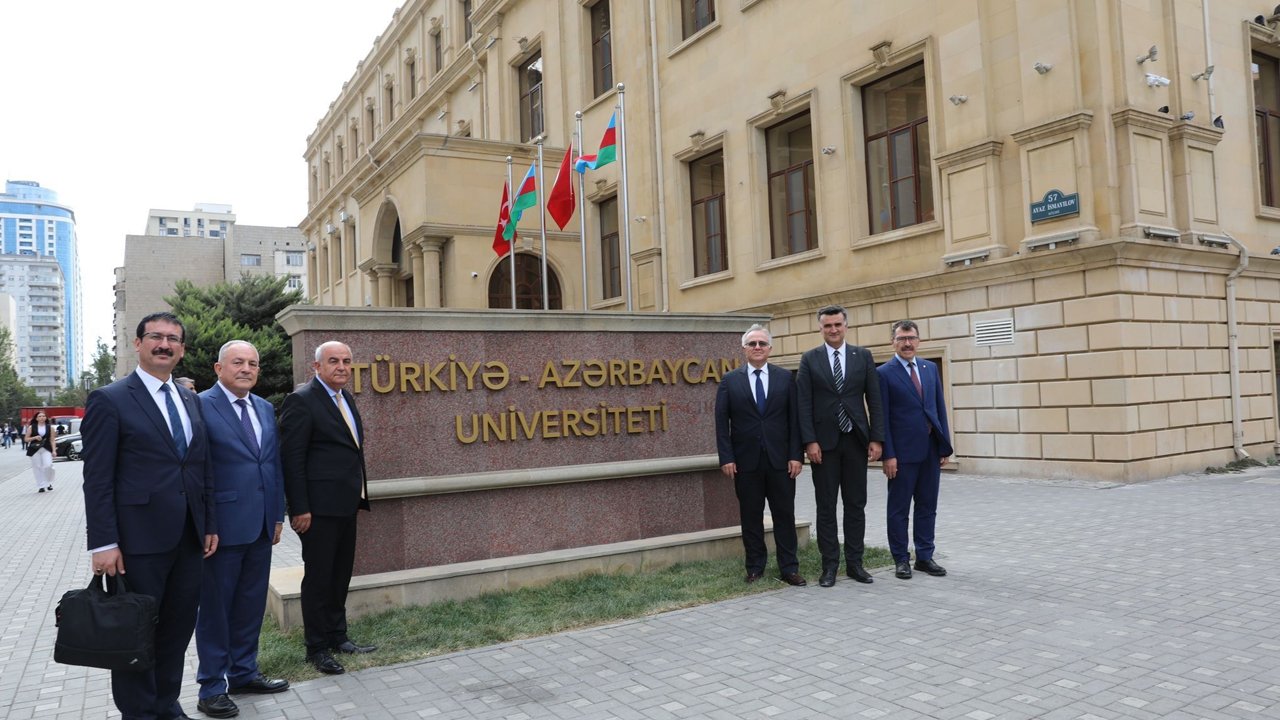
(1076, 200)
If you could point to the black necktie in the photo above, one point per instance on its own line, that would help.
(760, 398)
(842, 417)
(248, 424)
(175, 421)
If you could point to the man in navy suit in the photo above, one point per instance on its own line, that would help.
(321, 448)
(148, 489)
(916, 445)
(842, 427)
(758, 439)
(249, 494)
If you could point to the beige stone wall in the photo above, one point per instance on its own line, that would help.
(1118, 364)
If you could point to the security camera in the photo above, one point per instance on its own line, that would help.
(1156, 81)
(475, 274)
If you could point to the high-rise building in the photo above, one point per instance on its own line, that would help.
(48, 347)
(205, 246)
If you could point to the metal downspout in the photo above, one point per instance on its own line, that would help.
(1233, 349)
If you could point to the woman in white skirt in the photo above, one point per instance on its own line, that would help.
(40, 438)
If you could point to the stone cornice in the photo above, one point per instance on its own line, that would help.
(300, 318)
(1195, 133)
(1142, 119)
(977, 151)
(423, 144)
(1062, 125)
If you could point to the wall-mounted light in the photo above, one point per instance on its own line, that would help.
(829, 150)
(491, 42)
(441, 115)
(958, 99)
(474, 84)
(1204, 74)
(1156, 80)
(1043, 68)
(1151, 55)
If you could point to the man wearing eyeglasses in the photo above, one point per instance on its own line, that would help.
(758, 440)
(148, 503)
(917, 443)
(841, 426)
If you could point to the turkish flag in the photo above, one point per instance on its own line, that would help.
(500, 244)
(562, 201)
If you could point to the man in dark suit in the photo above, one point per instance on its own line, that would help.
(917, 443)
(249, 494)
(758, 439)
(841, 426)
(149, 508)
(321, 448)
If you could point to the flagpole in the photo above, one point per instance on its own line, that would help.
(622, 182)
(582, 217)
(542, 224)
(511, 247)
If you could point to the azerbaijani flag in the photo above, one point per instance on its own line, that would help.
(526, 197)
(608, 149)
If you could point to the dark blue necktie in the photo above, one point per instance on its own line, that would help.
(842, 417)
(248, 424)
(760, 398)
(175, 421)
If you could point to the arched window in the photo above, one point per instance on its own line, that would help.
(528, 284)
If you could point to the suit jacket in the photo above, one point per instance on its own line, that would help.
(137, 489)
(908, 418)
(749, 439)
(818, 398)
(248, 484)
(324, 469)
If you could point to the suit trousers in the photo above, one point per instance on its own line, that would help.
(841, 474)
(753, 489)
(918, 482)
(232, 602)
(173, 579)
(328, 556)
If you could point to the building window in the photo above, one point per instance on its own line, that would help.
(437, 51)
(899, 181)
(294, 282)
(355, 137)
(531, 97)
(342, 157)
(467, 30)
(696, 14)
(601, 48)
(792, 202)
(528, 284)
(251, 260)
(411, 67)
(215, 233)
(1266, 95)
(706, 178)
(389, 110)
(293, 259)
(610, 254)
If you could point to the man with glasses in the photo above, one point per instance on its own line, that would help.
(149, 507)
(916, 445)
(841, 426)
(758, 439)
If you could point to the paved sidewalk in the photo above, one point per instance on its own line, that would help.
(1065, 600)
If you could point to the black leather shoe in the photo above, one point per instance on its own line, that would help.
(902, 570)
(794, 579)
(218, 706)
(325, 663)
(857, 572)
(351, 648)
(263, 685)
(931, 567)
(753, 576)
(828, 578)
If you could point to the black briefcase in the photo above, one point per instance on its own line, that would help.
(106, 628)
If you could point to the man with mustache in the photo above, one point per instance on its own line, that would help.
(149, 509)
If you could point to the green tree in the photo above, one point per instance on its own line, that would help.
(104, 366)
(14, 393)
(244, 310)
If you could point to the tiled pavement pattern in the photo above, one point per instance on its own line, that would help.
(1065, 600)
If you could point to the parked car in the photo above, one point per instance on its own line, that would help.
(69, 446)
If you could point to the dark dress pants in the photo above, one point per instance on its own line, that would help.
(753, 489)
(841, 474)
(918, 482)
(232, 603)
(328, 556)
(173, 578)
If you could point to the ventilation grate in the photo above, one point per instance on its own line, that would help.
(993, 332)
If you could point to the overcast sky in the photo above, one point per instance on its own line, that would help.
(121, 107)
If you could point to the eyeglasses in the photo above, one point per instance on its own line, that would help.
(906, 338)
(157, 337)
(756, 343)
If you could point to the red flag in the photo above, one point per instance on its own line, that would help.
(562, 201)
(500, 244)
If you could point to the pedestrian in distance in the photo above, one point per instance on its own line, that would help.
(40, 438)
